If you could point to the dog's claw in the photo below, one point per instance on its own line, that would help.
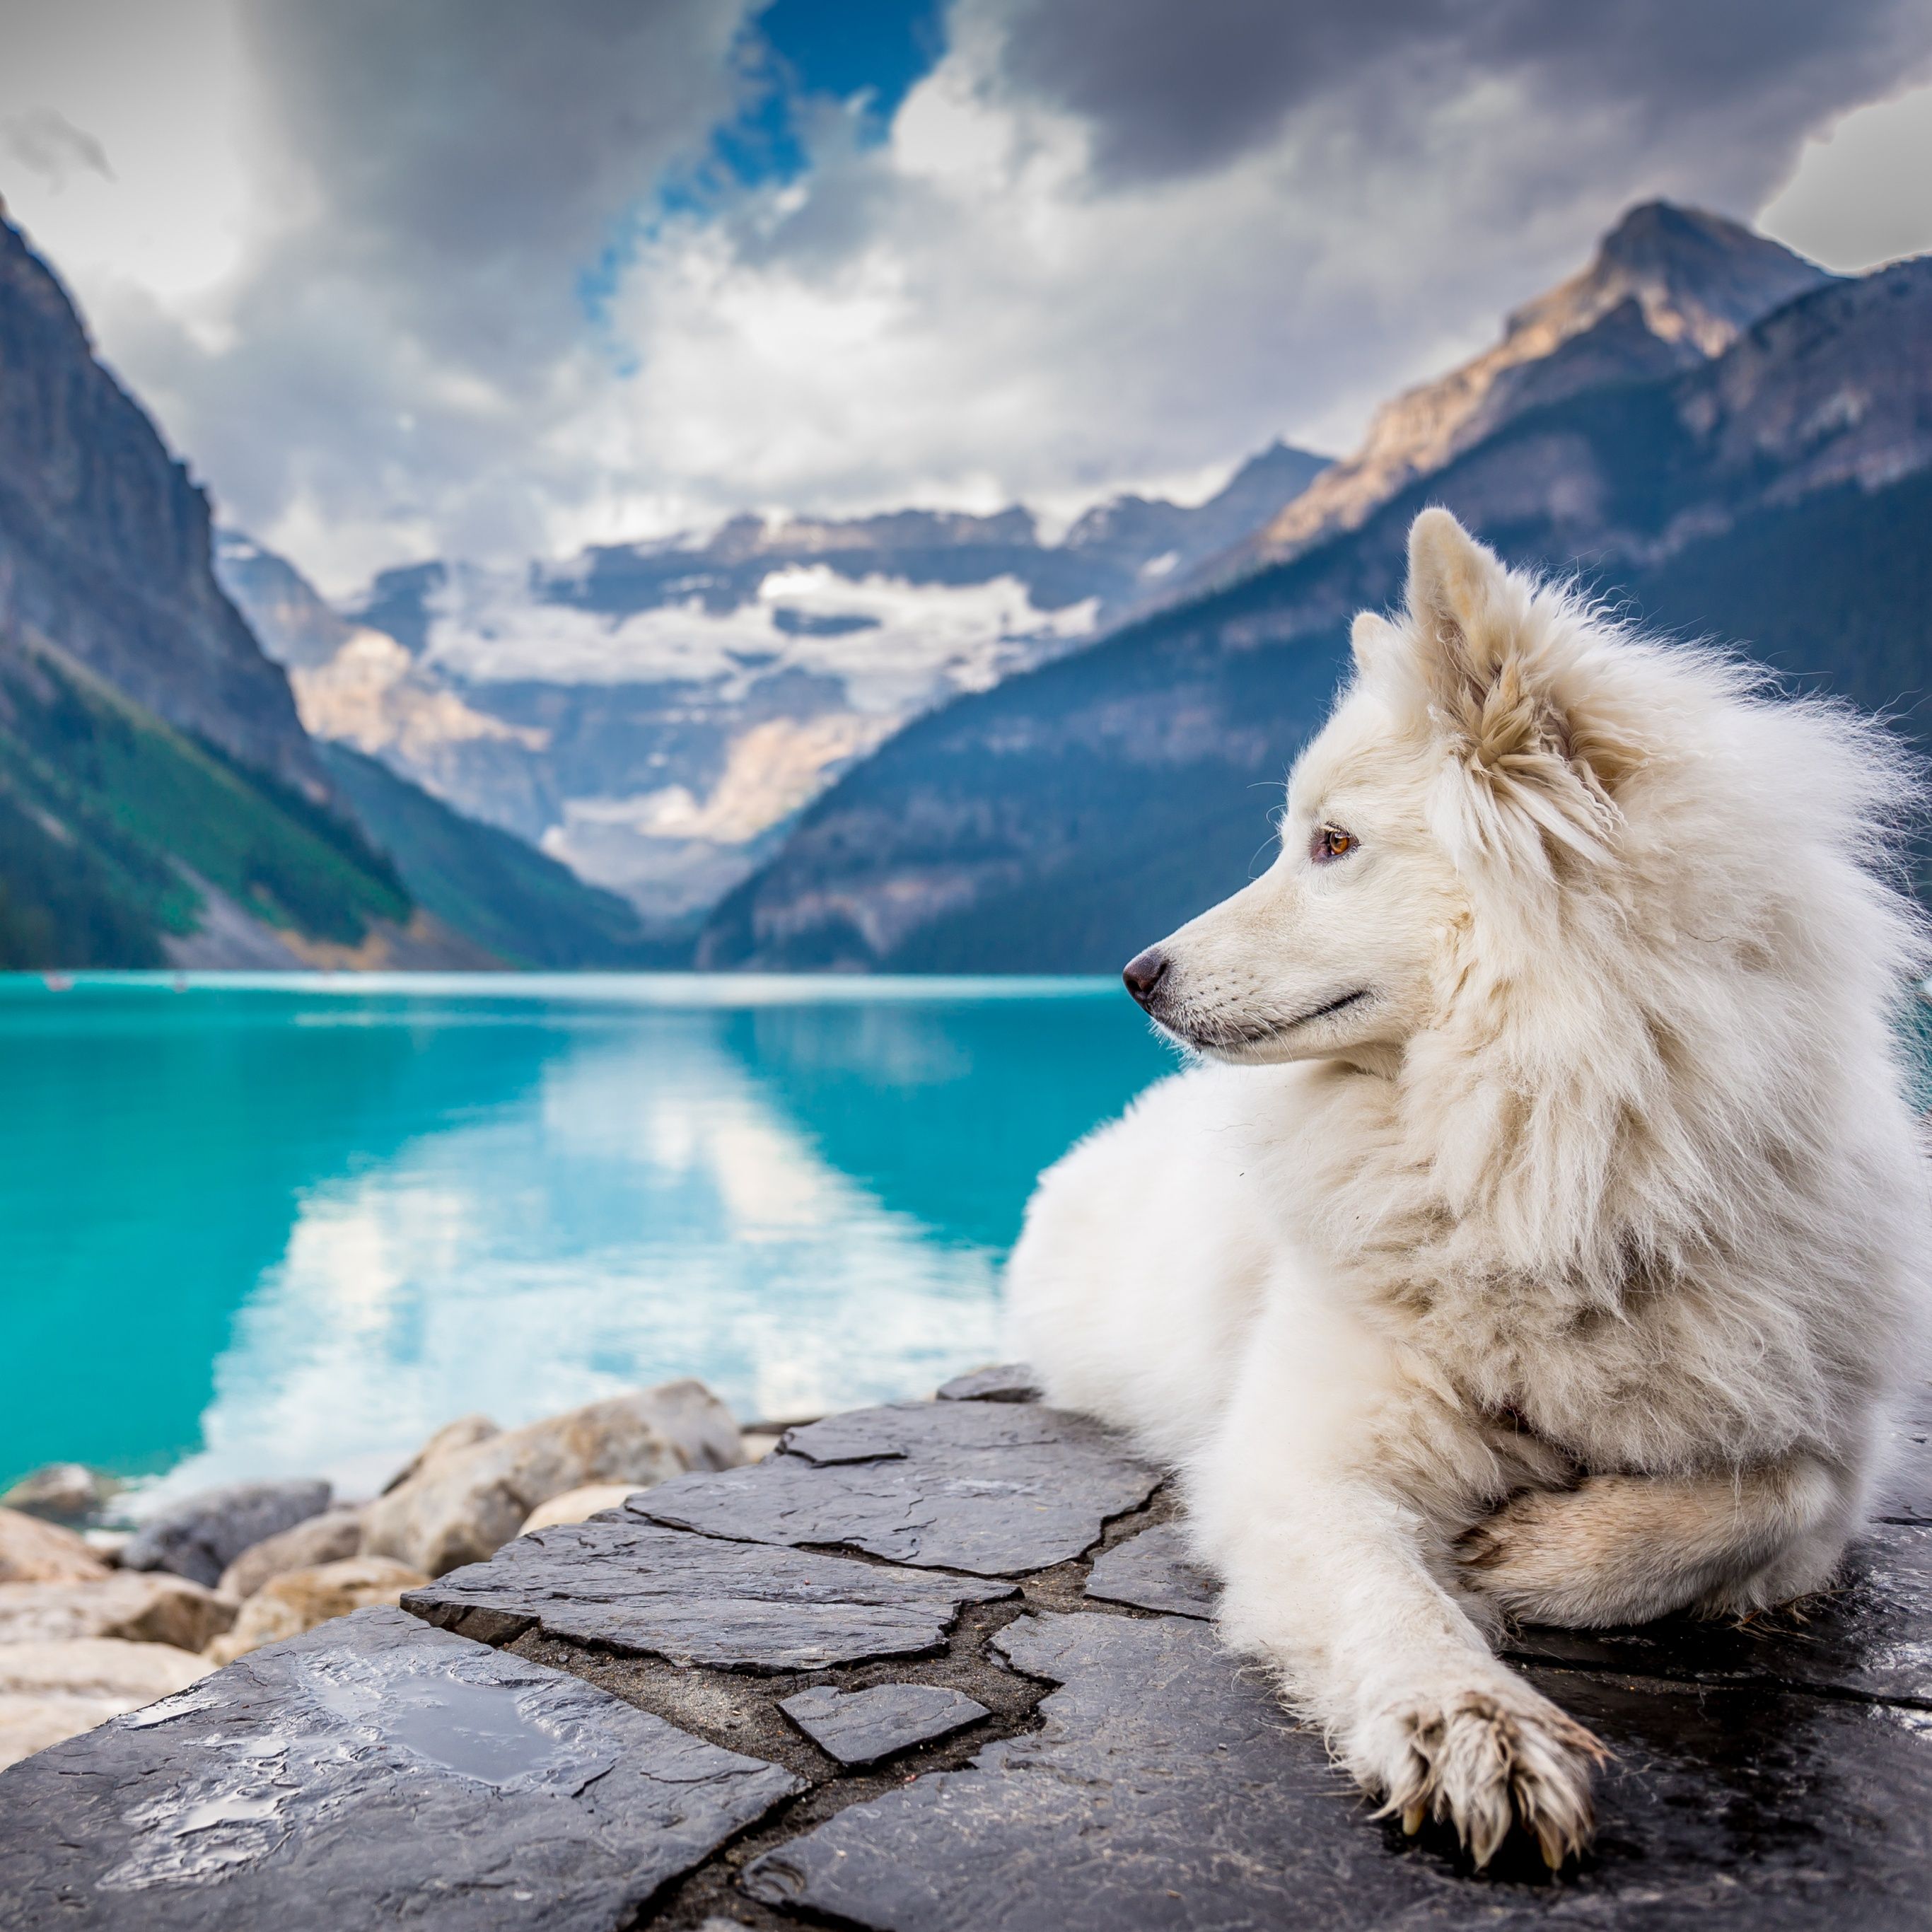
(1411, 1819)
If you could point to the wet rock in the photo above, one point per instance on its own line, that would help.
(202, 1535)
(465, 1433)
(50, 1691)
(1168, 1790)
(142, 1608)
(992, 1488)
(326, 1538)
(1154, 1572)
(375, 1772)
(1005, 1381)
(464, 1503)
(32, 1551)
(1905, 1493)
(632, 1586)
(1870, 1637)
(578, 1505)
(287, 1605)
(66, 1492)
(861, 1727)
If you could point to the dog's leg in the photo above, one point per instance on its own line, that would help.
(1330, 1569)
(1622, 1550)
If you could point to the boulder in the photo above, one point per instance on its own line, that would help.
(202, 1535)
(464, 1505)
(97, 1666)
(326, 1538)
(50, 1691)
(123, 1603)
(287, 1605)
(577, 1505)
(32, 1551)
(465, 1433)
(30, 1724)
(62, 1493)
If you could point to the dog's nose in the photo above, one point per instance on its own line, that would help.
(1143, 972)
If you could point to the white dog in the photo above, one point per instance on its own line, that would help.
(1553, 1232)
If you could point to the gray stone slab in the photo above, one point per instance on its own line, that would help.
(202, 1535)
(1871, 1637)
(1005, 1381)
(1166, 1789)
(995, 1488)
(630, 1585)
(374, 1772)
(1905, 1492)
(1152, 1571)
(861, 1727)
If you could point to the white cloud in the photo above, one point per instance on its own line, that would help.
(397, 281)
(1861, 192)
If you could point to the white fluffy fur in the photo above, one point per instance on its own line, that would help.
(1567, 1274)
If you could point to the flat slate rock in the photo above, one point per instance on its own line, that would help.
(1152, 1571)
(375, 1772)
(1166, 1789)
(1871, 1637)
(995, 1489)
(628, 1585)
(861, 1727)
(1005, 1381)
(1905, 1493)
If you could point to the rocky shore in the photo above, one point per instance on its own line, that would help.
(944, 1665)
(97, 1621)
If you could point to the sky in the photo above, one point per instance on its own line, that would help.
(478, 278)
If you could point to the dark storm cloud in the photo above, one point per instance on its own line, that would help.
(482, 154)
(1173, 90)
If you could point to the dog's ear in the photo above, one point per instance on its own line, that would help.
(1376, 643)
(1458, 615)
(1508, 708)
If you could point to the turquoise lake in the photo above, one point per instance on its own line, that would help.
(283, 1225)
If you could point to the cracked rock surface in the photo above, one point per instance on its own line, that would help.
(861, 1727)
(947, 1665)
(374, 1772)
(990, 1487)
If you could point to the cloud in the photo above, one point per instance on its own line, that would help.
(494, 280)
(1167, 90)
(44, 141)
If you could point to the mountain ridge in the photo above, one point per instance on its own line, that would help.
(1063, 821)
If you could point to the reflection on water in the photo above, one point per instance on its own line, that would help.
(295, 1227)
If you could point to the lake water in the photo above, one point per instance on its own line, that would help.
(256, 1226)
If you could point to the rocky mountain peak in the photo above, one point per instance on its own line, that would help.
(1696, 280)
(1696, 276)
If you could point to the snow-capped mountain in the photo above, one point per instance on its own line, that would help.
(655, 715)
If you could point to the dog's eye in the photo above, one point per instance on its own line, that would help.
(1330, 841)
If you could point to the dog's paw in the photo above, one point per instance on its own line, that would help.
(1483, 1760)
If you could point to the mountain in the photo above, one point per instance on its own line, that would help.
(655, 715)
(160, 801)
(527, 910)
(1669, 288)
(1778, 493)
(104, 541)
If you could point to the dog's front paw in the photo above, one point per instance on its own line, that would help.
(1483, 1758)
